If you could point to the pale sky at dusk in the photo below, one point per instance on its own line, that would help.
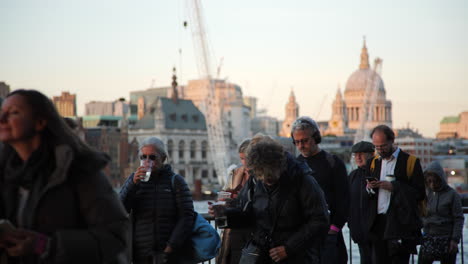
(102, 50)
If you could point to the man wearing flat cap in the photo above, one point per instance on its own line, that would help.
(357, 221)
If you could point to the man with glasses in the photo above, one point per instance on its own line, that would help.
(161, 206)
(358, 210)
(394, 223)
(331, 175)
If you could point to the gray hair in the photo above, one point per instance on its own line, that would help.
(305, 123)
(156, 143)
(243, 146)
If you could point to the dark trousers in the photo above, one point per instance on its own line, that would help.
(334, 250)
(448, 259)
(385, 251)
(365, 252)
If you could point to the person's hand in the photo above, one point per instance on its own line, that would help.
(168, 249)
(386, 185)
(139, 174)
(453, 247)
(278, 254)
(210, 209)
(372, 184)
(24, 242)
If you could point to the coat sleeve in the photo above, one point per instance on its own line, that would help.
(315, 213)
(106, 225)
(340, 183)
(185, 213)
(127, 193)
(457, 214)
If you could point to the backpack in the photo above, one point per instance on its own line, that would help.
(205, 240)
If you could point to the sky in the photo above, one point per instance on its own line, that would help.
(102, 50)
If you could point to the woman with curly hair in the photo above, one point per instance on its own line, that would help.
(286, 206)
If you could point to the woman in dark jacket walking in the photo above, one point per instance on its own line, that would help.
(162, 209)
(287, 206)
(53, 191)
(443, 222)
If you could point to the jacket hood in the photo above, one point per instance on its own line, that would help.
(435, 168)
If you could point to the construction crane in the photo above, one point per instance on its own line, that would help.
(210, 107)
(367, 111)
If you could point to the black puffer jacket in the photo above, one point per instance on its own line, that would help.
(303, 218)
(161, 216)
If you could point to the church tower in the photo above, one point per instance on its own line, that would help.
(338, 124)
(292, 112)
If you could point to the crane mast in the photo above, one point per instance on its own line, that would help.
(210, 107)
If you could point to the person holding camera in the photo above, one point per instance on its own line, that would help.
(286, 206)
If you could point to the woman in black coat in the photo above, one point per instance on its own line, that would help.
(162, 209)
(53, 191)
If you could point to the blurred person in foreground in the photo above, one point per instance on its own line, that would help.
(53, 191)
(234, 239)
(358, 211)
(286, 206)
(443, 221)
(161, 208)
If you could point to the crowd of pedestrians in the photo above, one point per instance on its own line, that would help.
(56, 205)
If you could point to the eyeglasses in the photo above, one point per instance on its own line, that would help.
(301, 141)
(151, 157)
(381, 146)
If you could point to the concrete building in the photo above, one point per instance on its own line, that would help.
(181, 126)
(107, 121)
(236, 115)
(454, 127)
(99, 108)
(65, 104)
(251, 102)
(415, 144)
(266, 125)
(4, 89)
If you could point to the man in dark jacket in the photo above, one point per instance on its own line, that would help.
(331, 175)
(394, 222)
(286, 205)
(357, 222)
(162, 213)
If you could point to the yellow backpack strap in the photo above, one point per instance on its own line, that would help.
(372, 165)
(410, 166)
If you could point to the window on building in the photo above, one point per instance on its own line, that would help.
(181, 149)
(170, 147)
(204, 148)
(193, 146)
(182, 173)
(204, 174)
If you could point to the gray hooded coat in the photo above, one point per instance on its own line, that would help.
(444, 209)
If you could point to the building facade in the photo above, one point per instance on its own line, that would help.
(292, 113)
(454, 127)
(65, 104)
(4, 89)
(181, 126)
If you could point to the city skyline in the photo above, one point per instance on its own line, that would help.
(102, 51)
